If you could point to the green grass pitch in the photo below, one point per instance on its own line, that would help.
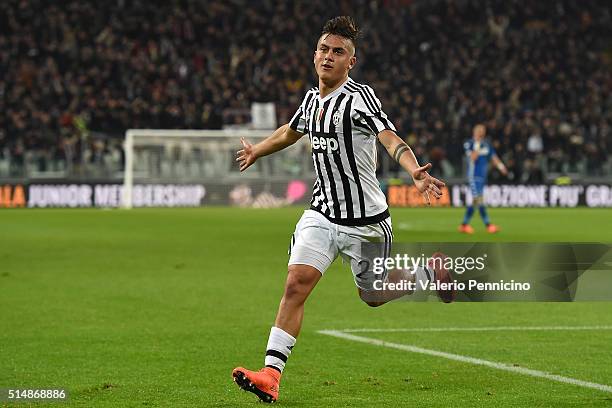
(155, 307)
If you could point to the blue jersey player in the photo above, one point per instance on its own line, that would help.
(479, 153)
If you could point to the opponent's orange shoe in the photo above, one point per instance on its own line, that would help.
(442, 275)
(263, 383)
(492, 228)
(466, 229)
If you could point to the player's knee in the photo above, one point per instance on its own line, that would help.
(294, 288)
(299, 283)
(374, 304)
(367, 298)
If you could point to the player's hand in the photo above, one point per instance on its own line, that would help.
(427, 184)
(245, 156)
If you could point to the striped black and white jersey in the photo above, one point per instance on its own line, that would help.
(343, 129)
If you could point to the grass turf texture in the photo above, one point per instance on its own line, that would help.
(156, 307)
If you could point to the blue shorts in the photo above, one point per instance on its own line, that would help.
(477, 187)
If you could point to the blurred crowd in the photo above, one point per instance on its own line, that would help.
(75, 74)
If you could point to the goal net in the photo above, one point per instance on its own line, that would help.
(169, 163)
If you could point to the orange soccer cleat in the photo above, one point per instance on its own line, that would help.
(442, 275)
(466, 229)
(263, 383)
(492, 228)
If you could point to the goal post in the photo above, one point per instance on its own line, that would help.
(185, 156)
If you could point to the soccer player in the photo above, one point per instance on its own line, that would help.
(343, 120)
(479, 153)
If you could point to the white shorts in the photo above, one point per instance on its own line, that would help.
(318, 241)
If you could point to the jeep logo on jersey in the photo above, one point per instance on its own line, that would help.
(325, 143)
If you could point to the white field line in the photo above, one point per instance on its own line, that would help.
(470, 360)
(474, 329)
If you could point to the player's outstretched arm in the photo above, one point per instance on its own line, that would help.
(403, 154)
(282, 137)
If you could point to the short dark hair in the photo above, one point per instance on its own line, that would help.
(344, 26)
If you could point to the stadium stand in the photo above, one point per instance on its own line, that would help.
(76, 74)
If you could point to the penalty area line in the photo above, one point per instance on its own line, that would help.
(469, 360)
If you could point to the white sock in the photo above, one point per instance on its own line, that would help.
(280, 344)
(424, 276)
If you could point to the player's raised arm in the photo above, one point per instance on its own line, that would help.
(403, 154)
(282, 137)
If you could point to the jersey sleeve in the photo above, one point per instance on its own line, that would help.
(298, 121)
(492, 151)
(368, 113)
